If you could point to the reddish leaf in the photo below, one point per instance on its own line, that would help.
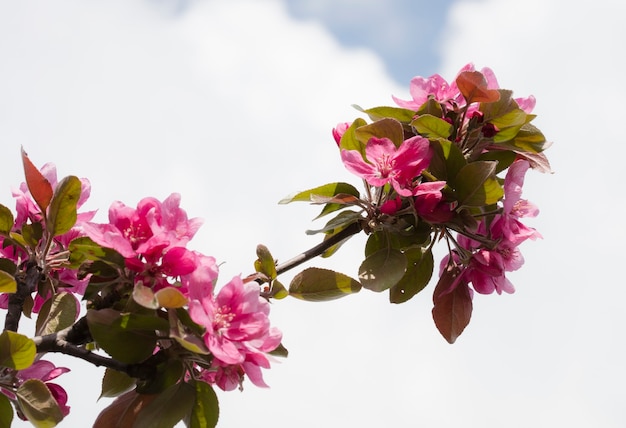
(123, 412)
(473, 86)
(453, 304)
(38, 185)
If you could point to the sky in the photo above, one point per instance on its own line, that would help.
(231, 103)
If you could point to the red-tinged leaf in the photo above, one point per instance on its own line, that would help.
(473, 86)
(39, 186)
(453, 304)
(123, 412)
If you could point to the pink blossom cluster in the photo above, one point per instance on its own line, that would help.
(28, 213)
(485, 268)
(152, 238)
(447, 94)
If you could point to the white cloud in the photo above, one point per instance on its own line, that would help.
(231, 104)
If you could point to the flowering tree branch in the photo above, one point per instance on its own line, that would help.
(26, 284)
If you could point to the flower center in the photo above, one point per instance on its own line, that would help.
(385, 165)
(223, 317)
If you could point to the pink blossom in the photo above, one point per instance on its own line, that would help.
(437, 88)
(238, 331)
(339, 130)
(507, 225)
(151, 237)
(387, 163)
(429, 203)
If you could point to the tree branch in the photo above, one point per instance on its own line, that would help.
(319, 249)
(26, 283)
(61, 342)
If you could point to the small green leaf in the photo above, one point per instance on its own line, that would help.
(84, 248)
(57, 313)
(206, 411)
(349, 141)
(170, 298)
(144, 296)
(476, 185)
(382, 269)
(278, 290)
(168, 408)
(38, 404)
(504, 158)
(6, 220)
(62, 211)
(16, 350)
(432, 127)
(115, 383)
(377, 113)
(38, 185)
(7, 283)
(418, 273)
(6, 412)
(328, 190)
(265, 263)
(319, 285)
(383, 128)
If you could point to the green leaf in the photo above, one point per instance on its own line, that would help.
(349, 141)
(6, 412)
(167, 374)
(278, 290)
(6, 220)
(84, 248)
(265, 263)
(144, 296)
(377, 113)
(38, 404)
(38, 185)
(477, 186)
(129, 338)
(57, 313)
(383, 128)
(419, 271)
(328, 190)
(206, 411)
(339, 222)
(382, 269)
(530, 140)
(432, 127)
(447, 161)
(31, 234)
(16, 350)
(7, 283)
(504, 158)
(62, 211)
(168, 408)
(452, 300)
(319, 285)
(115, 383)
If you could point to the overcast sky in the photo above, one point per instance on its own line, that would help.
(231, 104)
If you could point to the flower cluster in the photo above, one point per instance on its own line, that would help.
(151, 303)
(432, 169)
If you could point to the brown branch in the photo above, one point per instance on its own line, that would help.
(26, 284)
